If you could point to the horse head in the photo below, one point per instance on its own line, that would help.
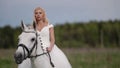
(26, 44)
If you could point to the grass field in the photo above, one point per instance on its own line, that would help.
(78, 57)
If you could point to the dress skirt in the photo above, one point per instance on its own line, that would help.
(59, 59)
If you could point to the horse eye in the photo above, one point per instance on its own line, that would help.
(32, 39)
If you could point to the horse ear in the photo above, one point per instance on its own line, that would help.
(23, 26)
(34, 25)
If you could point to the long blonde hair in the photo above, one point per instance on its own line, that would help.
(45, 20)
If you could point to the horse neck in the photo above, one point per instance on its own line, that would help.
(39, 48)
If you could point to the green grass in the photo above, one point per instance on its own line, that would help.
(94, 58)
(78, 57)
(7, 59)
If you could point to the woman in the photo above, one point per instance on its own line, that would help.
(46, 32)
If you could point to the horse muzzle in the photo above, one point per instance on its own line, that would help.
(18, 58)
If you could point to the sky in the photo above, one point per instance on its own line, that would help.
(58, 11)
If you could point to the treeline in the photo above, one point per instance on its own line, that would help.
(9, 36)
(76, 34)
(89, 34)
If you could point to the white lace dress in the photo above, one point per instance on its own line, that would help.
(58, 57)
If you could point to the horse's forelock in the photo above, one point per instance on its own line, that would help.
(29, 29)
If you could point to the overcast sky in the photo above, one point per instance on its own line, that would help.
(58, 11)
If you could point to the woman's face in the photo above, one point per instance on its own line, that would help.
(38, 15)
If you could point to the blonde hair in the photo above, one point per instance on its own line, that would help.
(45, 20)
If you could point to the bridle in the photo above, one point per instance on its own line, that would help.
(35, 45)
(31, 50)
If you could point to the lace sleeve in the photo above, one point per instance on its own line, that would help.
(51, 26)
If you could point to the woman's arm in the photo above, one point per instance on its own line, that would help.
(52, 39)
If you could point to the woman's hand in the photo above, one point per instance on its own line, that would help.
(49, 49)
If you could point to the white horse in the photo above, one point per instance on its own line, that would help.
(30, 54)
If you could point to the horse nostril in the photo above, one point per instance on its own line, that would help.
(18, 58)
(18, 55)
